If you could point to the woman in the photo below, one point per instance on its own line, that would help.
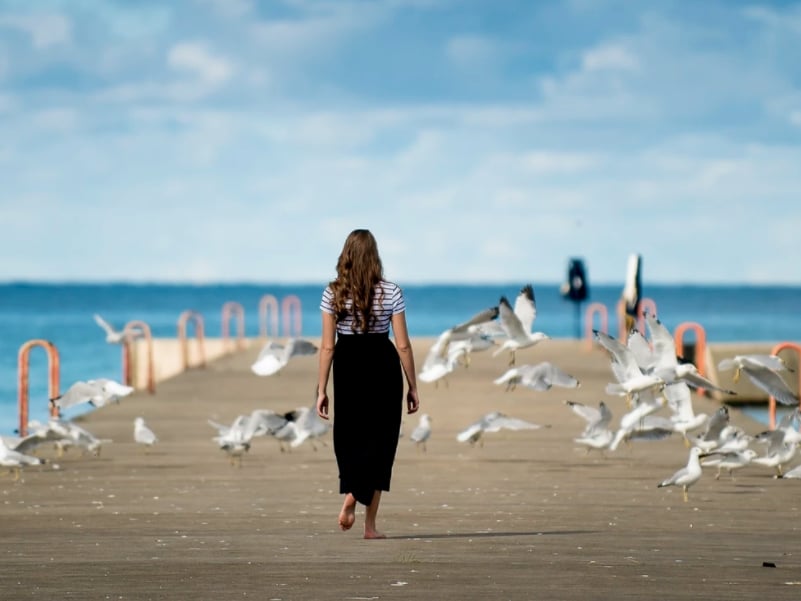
(358, 308)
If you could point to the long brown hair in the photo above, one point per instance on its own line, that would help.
(359, 269)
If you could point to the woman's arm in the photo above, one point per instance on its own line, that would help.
(404, 346)
(326, 358)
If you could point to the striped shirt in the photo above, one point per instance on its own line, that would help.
(388, 301)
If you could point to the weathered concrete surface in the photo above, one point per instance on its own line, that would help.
(528, 516)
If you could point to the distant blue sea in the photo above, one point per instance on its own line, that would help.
(62, 313)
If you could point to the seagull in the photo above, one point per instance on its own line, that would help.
(777, 457)
(596, 433)
(308, 426)
(38, 435)
(648, 403)
(98, 393)
(763, 372)
(667, 366)
(517, 323)
(784, 432)
(757, 361)
(684, 418)
(596, 419)
(541, 376)
(630, 376)
(438, 362)
(597, 439)
(469, 336)
(114, 336)
(462, 349)
(142, 434)
(713, 434)
(14, 460)
(273, 356)
(493, 422)
(650, 427)
(686, 476)
(266, 422)
(233, 439)
(728, 460)
(422, 432)
(72, 435)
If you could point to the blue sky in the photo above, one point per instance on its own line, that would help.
(241, 140)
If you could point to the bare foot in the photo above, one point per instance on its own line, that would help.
(372, 534)
(348, 514)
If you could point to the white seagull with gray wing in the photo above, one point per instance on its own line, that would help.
(687, 476)
(541, 376)
(273, 356)
(517, 323)
(493, 422)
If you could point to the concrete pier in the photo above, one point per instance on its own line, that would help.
(529, 515)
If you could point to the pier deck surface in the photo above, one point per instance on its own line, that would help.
(530, 515)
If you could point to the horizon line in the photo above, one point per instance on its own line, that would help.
(304, 283)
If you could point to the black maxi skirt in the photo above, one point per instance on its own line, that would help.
(368, 404)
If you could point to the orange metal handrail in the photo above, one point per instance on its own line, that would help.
(127, 377)
(772, 401)
(700, 345)
(589, 316)
(230, 309)
(23, 379)
(291, 305)
(197, 318)
(268, 302)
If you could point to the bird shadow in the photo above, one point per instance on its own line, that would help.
(455, 535)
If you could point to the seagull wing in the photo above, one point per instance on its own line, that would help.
(470, 432)
(664, 348)
(34, 440)
(679, 400)
(716, 423)
(510, 321)
(772, 383)
(263, 421)
(104, 324)
(79, 392)
(301, 347)
(641, 350)
(501, 421)
(526, 308)
(485, 316)
(621, 354)
(591, 415)
(270, 349)
(544, 375)
(773, 362)
(606, 416)
(696, 380)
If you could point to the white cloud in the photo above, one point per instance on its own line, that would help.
(609, 56)
(789, 19)
(232, 9)
(44, 29)
(544, 162)
(63, 120)
(469, 51)
(195, 58)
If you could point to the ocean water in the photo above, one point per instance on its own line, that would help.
(62, 314)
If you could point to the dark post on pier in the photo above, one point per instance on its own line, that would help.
(576, 288)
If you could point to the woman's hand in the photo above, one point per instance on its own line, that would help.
(412, 402)
(322, 405)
